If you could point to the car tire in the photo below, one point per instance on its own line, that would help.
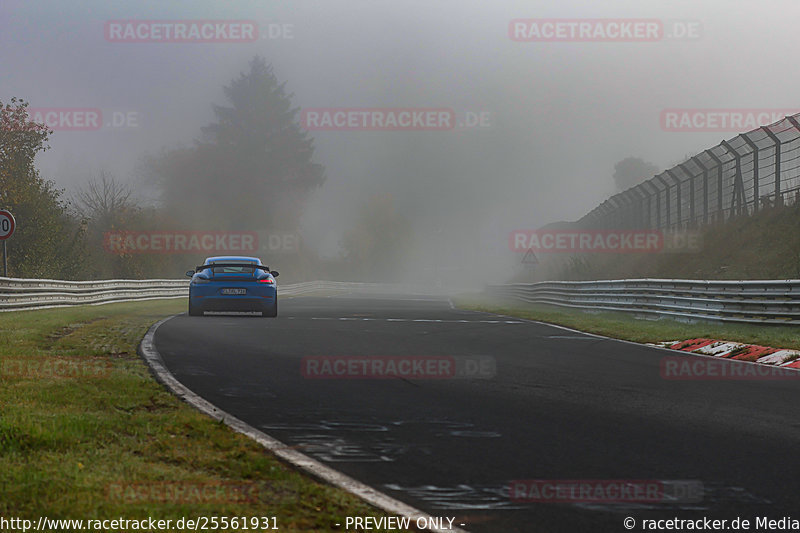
(271, 311)
(194, 310)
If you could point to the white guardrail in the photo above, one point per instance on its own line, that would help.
(19, 294)
(758, 302)
(761, 302)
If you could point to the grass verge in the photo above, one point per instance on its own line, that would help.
(87, 433)
(626, 326)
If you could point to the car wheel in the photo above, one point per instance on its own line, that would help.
(271, 311)
(193, 310)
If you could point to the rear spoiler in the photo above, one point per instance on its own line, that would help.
(214, 265)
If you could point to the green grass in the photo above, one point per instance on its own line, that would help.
(87, 433)
(627, 326)
(763, 246)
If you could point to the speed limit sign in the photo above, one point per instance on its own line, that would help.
(7, 225)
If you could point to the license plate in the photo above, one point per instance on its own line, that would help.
(234, 291)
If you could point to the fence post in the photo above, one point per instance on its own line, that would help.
(796, 125)
(596, 215)
(658, 207)
(677, 196)
(627, 211)
(608, 214)
(616, 216)
(754, 147)
(738, 186)
(651, 192)
(666, 199)
(720, 210)
(705, 187)
(692, 222)
(640, 203)
(777, 143)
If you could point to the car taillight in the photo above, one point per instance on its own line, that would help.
(268, 280)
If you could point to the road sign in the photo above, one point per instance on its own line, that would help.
(7, 225)
(530, 258)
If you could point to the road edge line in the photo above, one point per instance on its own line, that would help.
(626, 341)
(147, 350)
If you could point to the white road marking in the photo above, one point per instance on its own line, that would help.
(436, 320)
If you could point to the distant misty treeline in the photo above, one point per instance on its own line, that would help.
(251, 170)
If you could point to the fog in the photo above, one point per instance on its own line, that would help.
(557, 115)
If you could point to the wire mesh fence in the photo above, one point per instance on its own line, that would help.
(753, 171)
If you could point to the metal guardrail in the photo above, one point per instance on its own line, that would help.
(19, 294)
(757, 302)
(16, 293)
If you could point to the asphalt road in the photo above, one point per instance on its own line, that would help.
(562, 406)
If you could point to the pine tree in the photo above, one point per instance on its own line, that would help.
(253, 168)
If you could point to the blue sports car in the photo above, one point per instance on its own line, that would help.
(233, 283)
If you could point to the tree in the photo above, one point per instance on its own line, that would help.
(253, 168)
(48, 242)
(105, 200)
(106, 205)
(632, 171)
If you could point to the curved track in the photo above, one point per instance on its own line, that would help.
(563, 405)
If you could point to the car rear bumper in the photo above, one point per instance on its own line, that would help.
(208, 297)
(232, 303)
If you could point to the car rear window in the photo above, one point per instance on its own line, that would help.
(238, 269)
